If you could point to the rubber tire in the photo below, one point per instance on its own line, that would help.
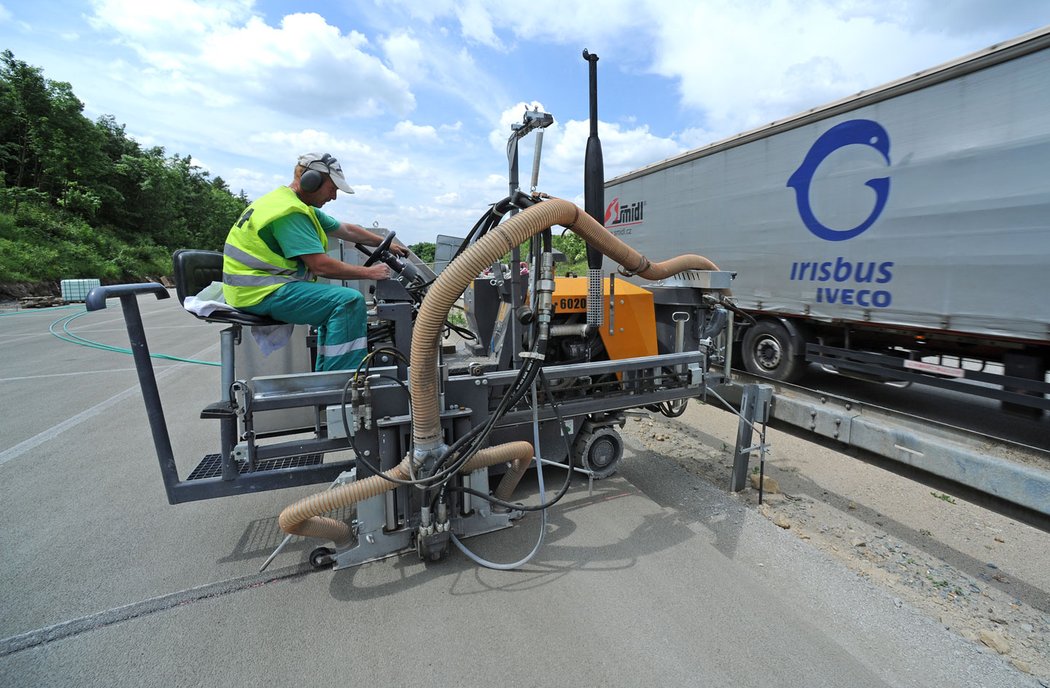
(321, 558)
(769, 351)
(604, 440)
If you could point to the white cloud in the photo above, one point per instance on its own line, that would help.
(224, 55)
(741, 66)
(357, 157)
(968, 16)
(476, 23)
(741, 63)
(255, 182)
(553, 20)
(622, 149)
(404, 52)
(430, 62)
(372, 194)
(405, 129)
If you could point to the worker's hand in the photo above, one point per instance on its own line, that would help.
(377, 272)
(399, 250)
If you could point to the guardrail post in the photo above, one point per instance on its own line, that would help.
(754, 409)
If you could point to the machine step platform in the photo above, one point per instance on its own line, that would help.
(211, 465)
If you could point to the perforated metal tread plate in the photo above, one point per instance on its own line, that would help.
(211, 465)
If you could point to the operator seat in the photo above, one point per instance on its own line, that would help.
(195, 269)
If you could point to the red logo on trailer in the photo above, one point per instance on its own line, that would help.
(622, 216)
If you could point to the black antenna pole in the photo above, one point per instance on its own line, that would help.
(594, 166)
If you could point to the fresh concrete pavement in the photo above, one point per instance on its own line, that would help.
(652, 578)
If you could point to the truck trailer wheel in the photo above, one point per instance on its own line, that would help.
(769, 350)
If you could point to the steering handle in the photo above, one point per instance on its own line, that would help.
(379, 252)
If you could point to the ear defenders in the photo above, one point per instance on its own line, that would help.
(311, 180)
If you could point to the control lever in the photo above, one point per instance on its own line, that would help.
(407, 273)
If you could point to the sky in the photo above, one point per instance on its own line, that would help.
(416, 98)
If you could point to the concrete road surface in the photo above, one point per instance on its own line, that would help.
(652, 578)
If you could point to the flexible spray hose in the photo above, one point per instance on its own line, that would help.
(305, 516)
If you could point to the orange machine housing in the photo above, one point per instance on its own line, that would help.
(633, 321)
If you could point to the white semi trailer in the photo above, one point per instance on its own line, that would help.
(899, 234)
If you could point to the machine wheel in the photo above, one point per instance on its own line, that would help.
(769, 350)
(321, 558)
(599, 451)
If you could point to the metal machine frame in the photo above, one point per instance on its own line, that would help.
(380, 431)
(546, 380)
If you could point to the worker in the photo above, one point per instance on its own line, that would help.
(278, 248)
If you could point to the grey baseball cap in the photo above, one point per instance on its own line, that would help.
(323, 162)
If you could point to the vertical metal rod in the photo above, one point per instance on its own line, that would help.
(728, 370)
(512, 163)
(517, 298)
(761, 479)
(150, 394)
(389, 450)
(467, 506)
(460, 427)
(680, 318)
(612, 303)
(228, 424)
(536, 160)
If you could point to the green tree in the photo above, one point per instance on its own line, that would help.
(425, 250)
(570, 243)
(47, 143)
(24, 110)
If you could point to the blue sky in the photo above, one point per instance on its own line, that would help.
(417, 98)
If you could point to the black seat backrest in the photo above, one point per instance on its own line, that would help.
(194, 270)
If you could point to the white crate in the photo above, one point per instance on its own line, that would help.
(77, 289)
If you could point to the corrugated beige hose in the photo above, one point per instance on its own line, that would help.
(305, 516)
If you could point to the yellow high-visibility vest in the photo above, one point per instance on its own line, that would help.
(250, 269)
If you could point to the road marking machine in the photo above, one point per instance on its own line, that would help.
(550, 367)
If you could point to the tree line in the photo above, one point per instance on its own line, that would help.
(80, 198)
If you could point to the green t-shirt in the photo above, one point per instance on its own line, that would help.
(294, 235)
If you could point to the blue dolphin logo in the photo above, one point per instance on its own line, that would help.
(858, 131)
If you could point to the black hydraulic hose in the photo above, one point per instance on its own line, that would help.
(463, 449)
(488, 219)
(475, 439)
(477, 436)
(568, 468)
(491, 217)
